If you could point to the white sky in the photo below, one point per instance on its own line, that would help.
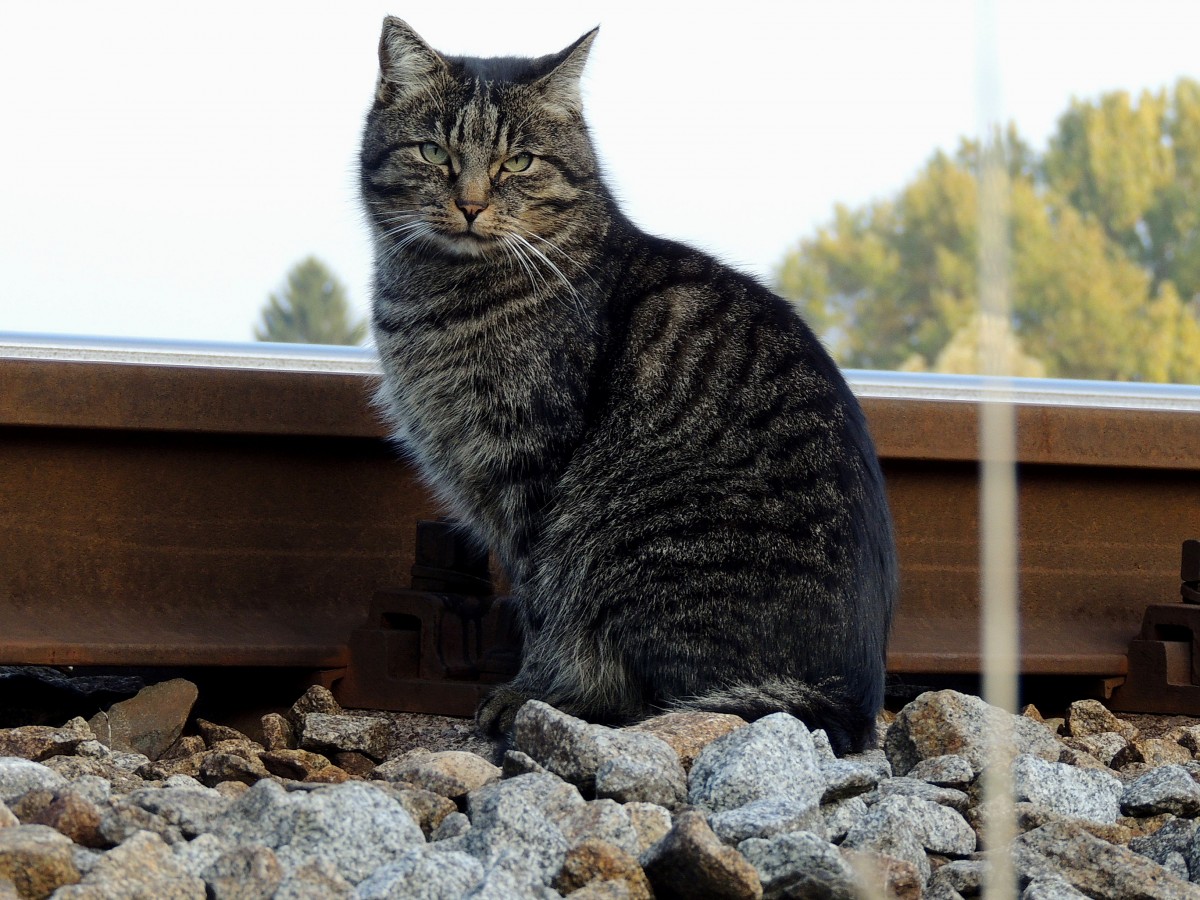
(162, 165)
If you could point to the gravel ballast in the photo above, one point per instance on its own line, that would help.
(331, 804)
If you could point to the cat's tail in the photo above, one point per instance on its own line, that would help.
(826, 704)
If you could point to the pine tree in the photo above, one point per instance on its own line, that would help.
(310, 308)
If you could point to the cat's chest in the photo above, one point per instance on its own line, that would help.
(448, 383)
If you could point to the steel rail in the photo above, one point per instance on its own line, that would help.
(198, 504)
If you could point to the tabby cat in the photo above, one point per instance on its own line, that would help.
(668, 465)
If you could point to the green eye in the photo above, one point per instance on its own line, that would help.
(435, 154)
(518, 163)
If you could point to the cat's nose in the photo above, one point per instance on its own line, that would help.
(471, 208)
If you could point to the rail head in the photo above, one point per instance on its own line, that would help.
(326, 391)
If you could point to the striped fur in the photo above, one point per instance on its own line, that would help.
(672, 471)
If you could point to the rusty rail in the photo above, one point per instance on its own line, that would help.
(202, 506)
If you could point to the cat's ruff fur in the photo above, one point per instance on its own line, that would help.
(671, 469)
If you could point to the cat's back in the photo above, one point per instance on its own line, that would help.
(696, 336)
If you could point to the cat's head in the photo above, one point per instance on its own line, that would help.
(475, 157)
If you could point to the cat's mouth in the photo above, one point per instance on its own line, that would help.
(467, 242)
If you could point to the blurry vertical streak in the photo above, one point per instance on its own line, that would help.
(997, 451)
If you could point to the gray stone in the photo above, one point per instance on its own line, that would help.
(1051, 889)
(822, 745)
(149, 722)
(510, 877)
(950, 770)
(938, 723)
(1169, 789)
(963, 876)
(604, 820)
(317, 699)
(143, 866)
(92, 788)
(518, 763)
(841, 816)
(247, 873)
(1108, 747)
(323, 732)
(771, 758)
(317, 880)
(1174, 839)
(764, 819)
(191, 809)
(938, 828)
(427, 809)
(1082, 793)
(36, 859)
(1090, 717)
(626, 766)
(452, 826)
(905, 827)
(522, 815)
(1094, 866)
(690, 861)
(264, 814)
(688, 732)
(452, 773)
(640, 768)
(354, 826)
(650, 822)
(74, 768)
(85, 858)
(19, 776)
(874, 759)
(120, 820)
(562, 744)
(1177, 865)
(904, 786)
(38, 742)
(198, 854)
(418, 873)
(800, 865)
(847, 778)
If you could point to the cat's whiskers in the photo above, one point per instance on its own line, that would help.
(414, 232)
(539, 255)
(557, 249)
(537, 281)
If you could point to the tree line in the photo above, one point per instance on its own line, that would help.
(1104, 242)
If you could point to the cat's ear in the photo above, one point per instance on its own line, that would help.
(406, 63)
(560, 86)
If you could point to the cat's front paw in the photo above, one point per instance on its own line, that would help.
(498, 710)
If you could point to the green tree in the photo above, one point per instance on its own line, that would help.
(1105, 253)
(310, 308)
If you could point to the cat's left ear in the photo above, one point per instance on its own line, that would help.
(560, 86)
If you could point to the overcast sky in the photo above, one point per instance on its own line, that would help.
(163, 165)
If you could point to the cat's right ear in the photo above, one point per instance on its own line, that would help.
(406, 63)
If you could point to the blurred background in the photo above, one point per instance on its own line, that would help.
(176, 173)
